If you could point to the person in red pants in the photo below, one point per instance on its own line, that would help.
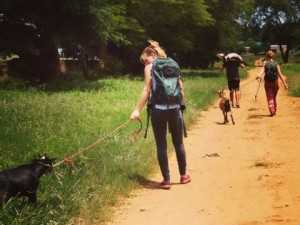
(272, 73)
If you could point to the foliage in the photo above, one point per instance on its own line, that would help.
(277, 22)
(33, 32)
(227, 27)
(173, 23)
(192, 31)
(222, 35)
(293, 73)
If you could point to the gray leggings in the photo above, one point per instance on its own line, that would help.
(173, 118)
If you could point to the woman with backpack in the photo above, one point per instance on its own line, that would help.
(165, 107)
(272, 72)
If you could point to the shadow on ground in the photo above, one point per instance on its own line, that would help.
(147, 183)
(261, 116)
(252, 109)
(221, 123)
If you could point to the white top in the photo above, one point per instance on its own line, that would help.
(232, 55)
(167, 107)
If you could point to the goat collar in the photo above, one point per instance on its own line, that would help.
(44, 164)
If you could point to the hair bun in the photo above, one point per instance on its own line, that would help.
(154, 44)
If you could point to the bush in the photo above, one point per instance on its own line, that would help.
(293, 73)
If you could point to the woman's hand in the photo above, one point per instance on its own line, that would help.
(135, 115)
(282, 78)
(258, 78)
(284, 81)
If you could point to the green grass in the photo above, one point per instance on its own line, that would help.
(61, 117)
(292, 71)
(249, 59)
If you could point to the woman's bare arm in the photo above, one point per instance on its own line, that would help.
(181, 88)
(243, 64)
(145, 93)
(281, 76)
(260, 76)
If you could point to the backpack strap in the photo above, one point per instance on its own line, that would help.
(271, 70)
(148, 120)
(183, 124)
(273, 64)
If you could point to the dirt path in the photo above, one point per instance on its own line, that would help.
(254, 181)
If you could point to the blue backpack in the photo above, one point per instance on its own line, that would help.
(165, 87)
(165, 82)
(271, 71)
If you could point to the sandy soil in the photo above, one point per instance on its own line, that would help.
(254, 179)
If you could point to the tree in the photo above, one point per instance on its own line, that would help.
(221, 35)
(174, 23)
(116, 30)
(47, 24)
(277, 22)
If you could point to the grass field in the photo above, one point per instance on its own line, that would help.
(61, 117)
(293, 73)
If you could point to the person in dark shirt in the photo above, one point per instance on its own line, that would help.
(232, 62)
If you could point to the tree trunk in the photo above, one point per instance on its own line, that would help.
(49, 61)
(285, 54)
(38, 65)
(84, 64)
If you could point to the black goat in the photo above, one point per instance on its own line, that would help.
(24, 180)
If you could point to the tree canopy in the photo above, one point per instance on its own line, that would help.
(192, 31)
(277, 22)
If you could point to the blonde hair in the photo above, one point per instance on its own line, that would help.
(270, 55)
(153, 49)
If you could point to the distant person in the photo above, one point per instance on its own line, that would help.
(83, 59)
(165, 108)
(232, 62)
(272, 72)
(60, 52)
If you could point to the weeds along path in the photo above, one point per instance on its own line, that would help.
(252, 180)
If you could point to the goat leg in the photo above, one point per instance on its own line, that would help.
(3, 198)
(224, 115)
(32, 197)
(232, 119)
